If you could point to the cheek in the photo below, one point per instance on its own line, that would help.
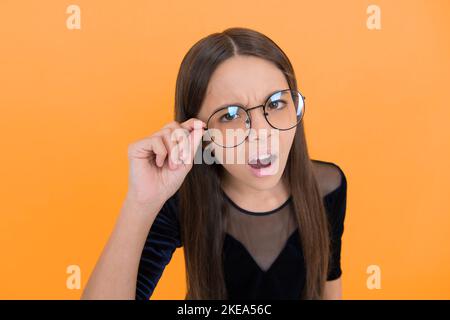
(231, 156)
(236, 163)
(286, 141)
(235, 170)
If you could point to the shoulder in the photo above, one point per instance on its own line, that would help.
(332, 184)
(171, 205)
(166, 223)
(330, 177)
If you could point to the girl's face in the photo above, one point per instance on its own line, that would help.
(248, 81)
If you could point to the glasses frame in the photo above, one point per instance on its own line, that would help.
(249, 119)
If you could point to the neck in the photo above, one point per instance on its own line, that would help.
(253, 199)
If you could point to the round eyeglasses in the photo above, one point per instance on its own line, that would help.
(230, 126)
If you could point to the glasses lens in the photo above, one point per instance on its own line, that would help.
(284, 109)
(228, 127)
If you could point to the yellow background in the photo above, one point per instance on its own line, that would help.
(72, 100)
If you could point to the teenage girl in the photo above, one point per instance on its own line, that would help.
(266, 227)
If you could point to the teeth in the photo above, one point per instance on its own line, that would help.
(264, 158)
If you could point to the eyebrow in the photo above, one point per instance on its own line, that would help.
(240, 104)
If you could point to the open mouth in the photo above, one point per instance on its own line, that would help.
(262, 161)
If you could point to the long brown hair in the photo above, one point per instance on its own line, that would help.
(202, 209)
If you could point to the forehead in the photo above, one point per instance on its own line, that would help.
(244, 80)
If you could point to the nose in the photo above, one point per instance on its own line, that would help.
(260, 128)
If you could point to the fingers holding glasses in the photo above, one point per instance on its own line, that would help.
(181, 141)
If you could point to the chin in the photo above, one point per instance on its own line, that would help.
(263, 182)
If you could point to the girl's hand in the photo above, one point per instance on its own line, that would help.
(160, 162)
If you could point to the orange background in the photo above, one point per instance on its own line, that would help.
(72, 100)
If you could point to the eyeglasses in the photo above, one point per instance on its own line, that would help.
(230, 126)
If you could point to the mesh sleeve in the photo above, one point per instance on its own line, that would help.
(336, 208)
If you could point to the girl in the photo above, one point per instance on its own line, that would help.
(268, 227)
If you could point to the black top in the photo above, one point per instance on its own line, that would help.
(262, 253)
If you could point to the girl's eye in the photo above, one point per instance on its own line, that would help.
(276, 105)
(229, 117)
